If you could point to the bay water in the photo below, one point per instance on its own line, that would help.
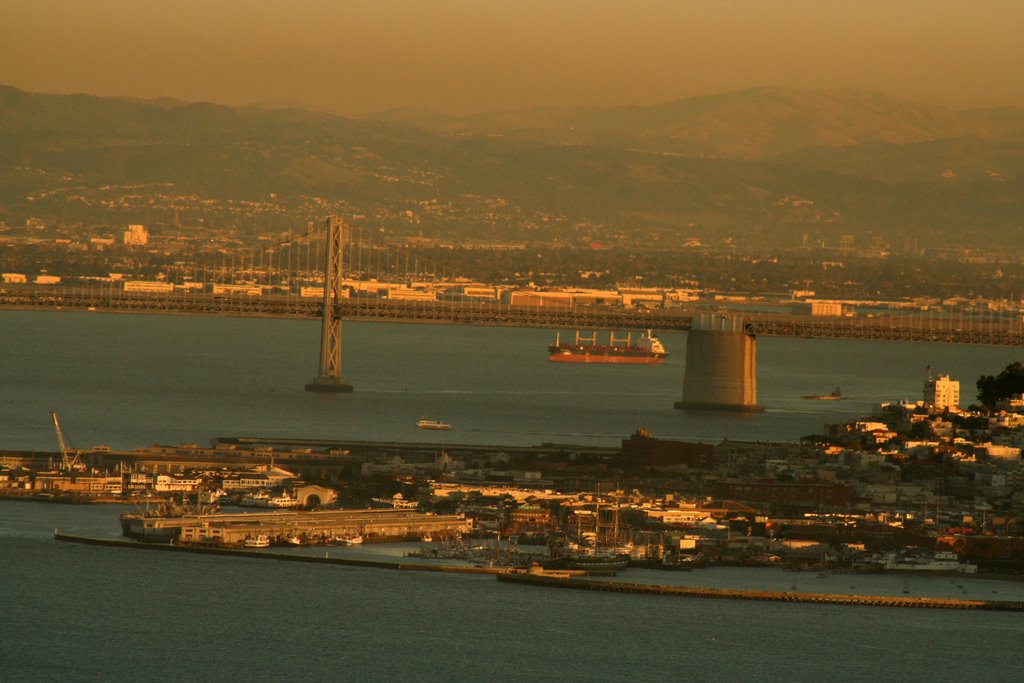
(70, 612)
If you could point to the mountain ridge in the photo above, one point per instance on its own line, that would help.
(619, 185)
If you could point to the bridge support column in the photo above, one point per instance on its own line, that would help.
(721, 366)
(329, 380)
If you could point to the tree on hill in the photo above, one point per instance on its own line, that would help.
(1007, 383)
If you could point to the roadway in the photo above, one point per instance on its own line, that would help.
(929, 328)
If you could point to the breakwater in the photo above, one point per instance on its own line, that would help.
(269, 555)
(769, 596)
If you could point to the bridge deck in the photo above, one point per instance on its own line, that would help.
(889, 328)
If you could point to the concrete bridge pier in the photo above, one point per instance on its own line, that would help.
(721, 366)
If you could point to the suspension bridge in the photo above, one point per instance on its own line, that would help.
(333, 275)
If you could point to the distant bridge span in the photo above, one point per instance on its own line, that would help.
(919, 328)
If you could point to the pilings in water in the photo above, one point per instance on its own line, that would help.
(721, 366)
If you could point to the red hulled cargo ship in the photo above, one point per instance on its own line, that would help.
(647, 350)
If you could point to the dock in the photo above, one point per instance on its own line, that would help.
(768, 596)
(234, 529)
(271, 555)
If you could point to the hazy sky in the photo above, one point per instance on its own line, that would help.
(463, 56)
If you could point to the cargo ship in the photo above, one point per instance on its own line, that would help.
(585, 349)
(836, 395)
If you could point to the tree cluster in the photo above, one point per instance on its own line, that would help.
(1004, 385)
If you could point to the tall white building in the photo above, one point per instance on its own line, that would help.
(136, 236)
(942, 393)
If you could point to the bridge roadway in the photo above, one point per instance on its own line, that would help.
(918, 328)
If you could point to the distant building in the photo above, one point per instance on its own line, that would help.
(14, 278)
(147, 286)
(826, 308)
(942, 393)
(136, 236)
(1013, 404)
(642, 448)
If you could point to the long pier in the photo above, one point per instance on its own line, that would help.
(270, 555)
(769, 596)
(918, 328)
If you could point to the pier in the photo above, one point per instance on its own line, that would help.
(234, 529)
(768, 596)
(270, 555)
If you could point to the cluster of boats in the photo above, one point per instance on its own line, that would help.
(264, 541)
(257, 499)
(942, 561)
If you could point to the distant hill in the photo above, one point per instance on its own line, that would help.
(764, 165)
(751, 124)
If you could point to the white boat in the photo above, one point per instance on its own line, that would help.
(348, 539)
(397, 501)
(261, 541)
(258, 500)
(432, 424)
(282, 501)
(941, 561)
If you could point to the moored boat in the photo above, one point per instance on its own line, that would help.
(282, 501)
(260, 541)
(395, 501)
(348, 539)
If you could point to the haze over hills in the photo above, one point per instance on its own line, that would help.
(769, 165)
(751, 124)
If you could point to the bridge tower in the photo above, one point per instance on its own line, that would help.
(329, 380)
(721, 366)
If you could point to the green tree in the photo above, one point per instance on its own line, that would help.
(1008, 382)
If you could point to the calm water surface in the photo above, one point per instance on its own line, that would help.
(130, 380)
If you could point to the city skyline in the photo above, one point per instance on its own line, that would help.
(460, 58)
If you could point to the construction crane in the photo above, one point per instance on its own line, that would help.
(69, 459)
